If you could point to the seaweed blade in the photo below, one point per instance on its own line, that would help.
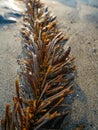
(43, 82)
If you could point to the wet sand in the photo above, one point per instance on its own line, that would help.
(10, 49)
(83, 33)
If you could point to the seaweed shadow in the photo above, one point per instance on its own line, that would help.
(69, 123)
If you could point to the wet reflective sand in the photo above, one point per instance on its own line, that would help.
(10, 11)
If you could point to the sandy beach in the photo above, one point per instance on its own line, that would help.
(80, 22)
(10, 48)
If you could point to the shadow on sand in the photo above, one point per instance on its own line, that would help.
(82, 123)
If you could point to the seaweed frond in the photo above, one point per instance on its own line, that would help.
(46, 75)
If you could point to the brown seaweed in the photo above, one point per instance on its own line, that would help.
(42, 84)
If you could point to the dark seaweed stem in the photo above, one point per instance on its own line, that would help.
(44, 81)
